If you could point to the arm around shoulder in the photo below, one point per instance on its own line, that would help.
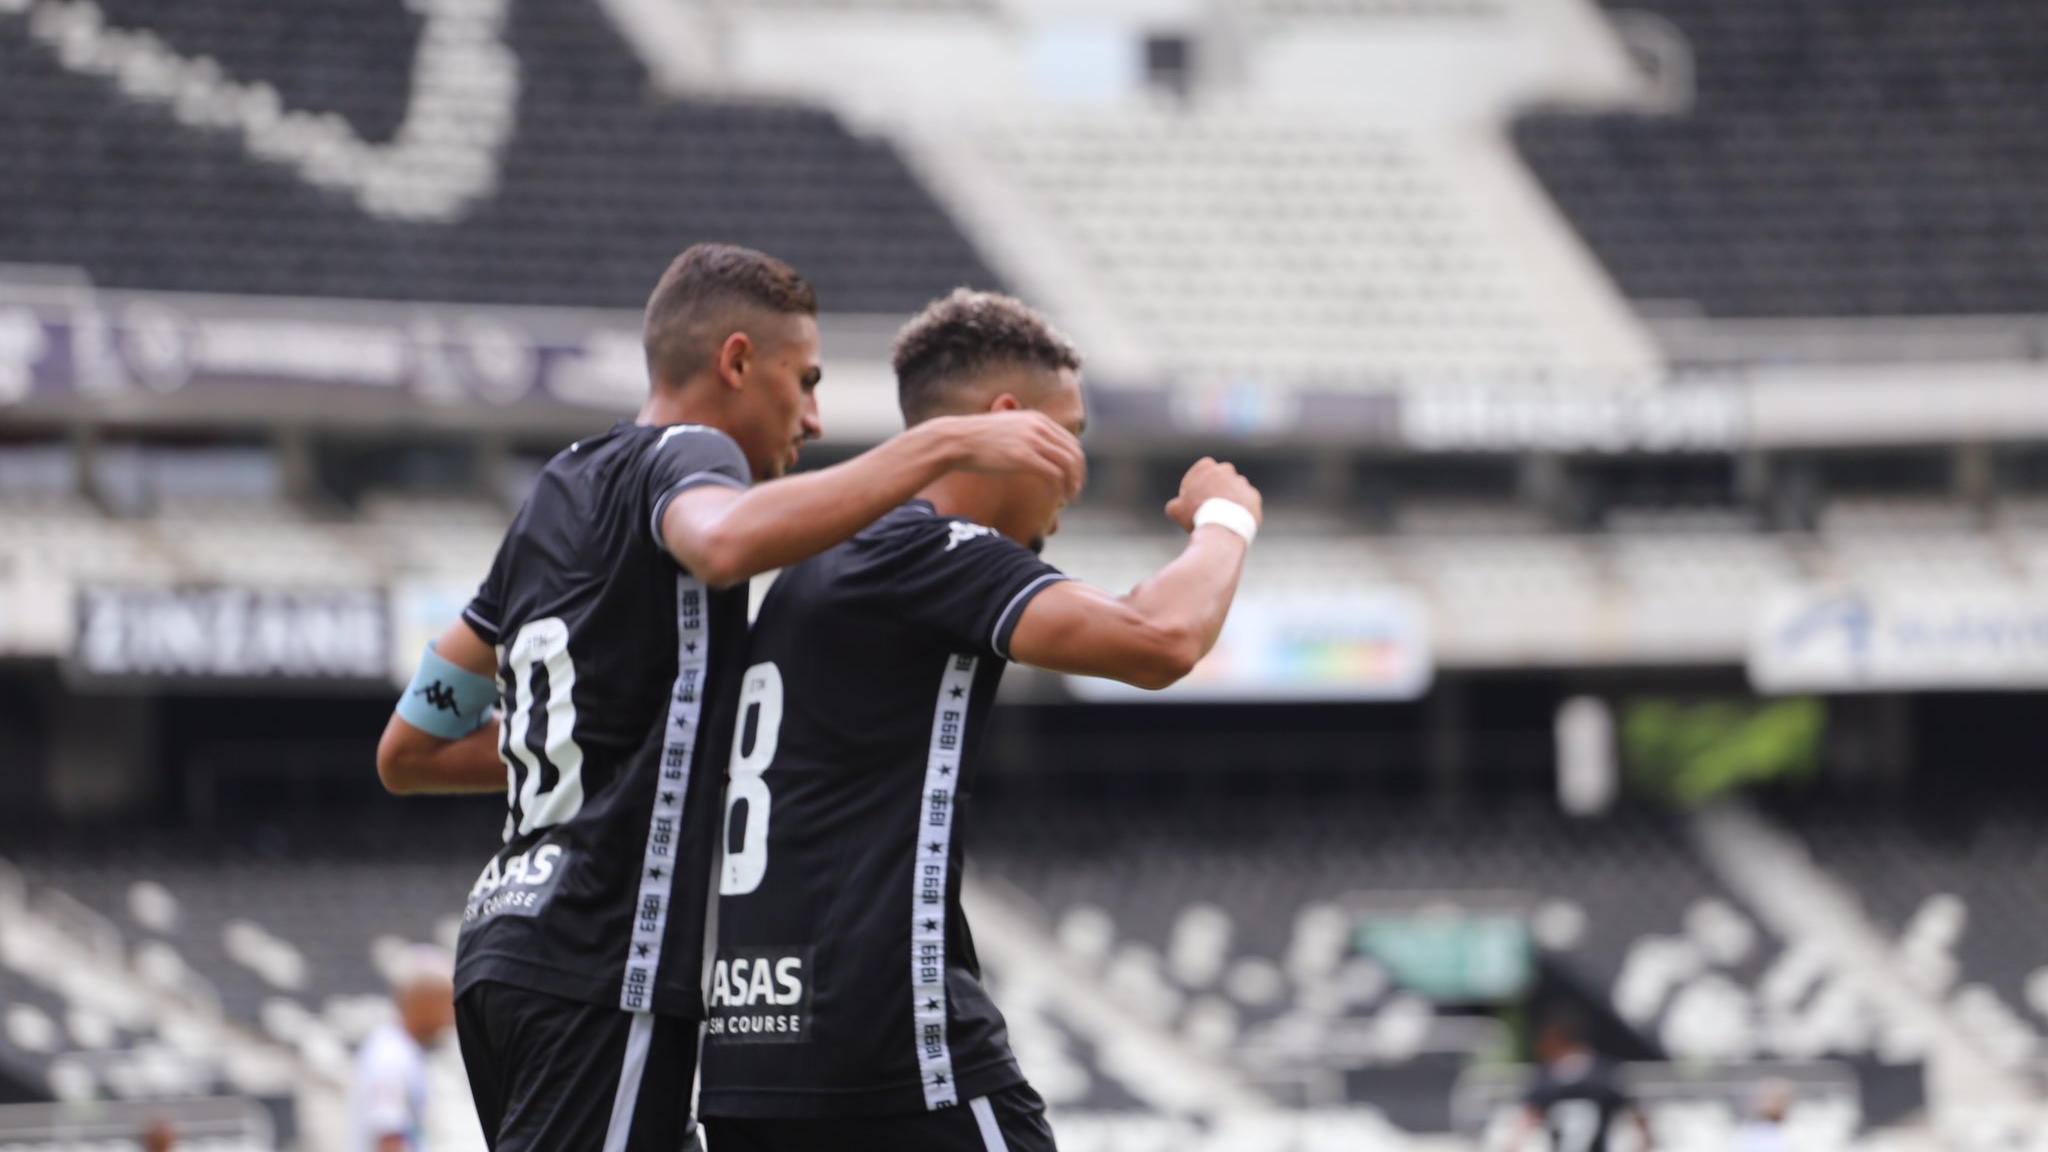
(724, 536)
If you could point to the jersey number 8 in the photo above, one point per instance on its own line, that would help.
(544, 770)
(760, 701)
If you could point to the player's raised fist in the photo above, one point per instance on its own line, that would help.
(1209, 480)
(1017, 441)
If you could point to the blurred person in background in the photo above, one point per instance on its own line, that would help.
(1577, 1099)
(1765, 1131)
(388, 1101)
(612, 628)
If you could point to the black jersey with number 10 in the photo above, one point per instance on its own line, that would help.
(845, 982)
(616, 672)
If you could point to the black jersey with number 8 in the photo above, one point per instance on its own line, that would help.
(616, 674)
(845, 982)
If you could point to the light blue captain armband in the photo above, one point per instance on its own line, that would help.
(446, 700)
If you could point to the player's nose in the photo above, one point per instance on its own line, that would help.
(813, 424)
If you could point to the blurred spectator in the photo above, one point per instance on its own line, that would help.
(1576, 1097)
(387, 1103)
(1765, 1131)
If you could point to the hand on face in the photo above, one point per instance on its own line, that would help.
(1209, 480)
(1020, 442)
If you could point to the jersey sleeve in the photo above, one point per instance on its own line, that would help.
(689, 456)
(970, 583)
(485, 613)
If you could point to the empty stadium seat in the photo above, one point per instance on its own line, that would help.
(1843, 158)
(591, 191)
(1964, 900)
(1273, 246)
(1230, 921)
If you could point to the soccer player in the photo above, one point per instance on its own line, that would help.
(1576, 1099)
(847, 1011)
(611, 629)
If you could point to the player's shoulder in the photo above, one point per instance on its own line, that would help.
(691, 447)
(652, 446)
(915, 530)
(687, 436)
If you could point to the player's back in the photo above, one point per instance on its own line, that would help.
(614, 666)
(846, 983)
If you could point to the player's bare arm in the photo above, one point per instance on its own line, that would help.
(411, 760)
(724, 536)
(1156, 634)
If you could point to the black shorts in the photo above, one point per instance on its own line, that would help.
(1010, 1120)
(552, 1075)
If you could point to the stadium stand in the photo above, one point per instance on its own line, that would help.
(1271, 245)
(578, 197)
(280, 931)
(1843, 158)
(1962, 894)
(296, 914)
(1228, 918)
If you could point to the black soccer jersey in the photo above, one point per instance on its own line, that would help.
(616, 670)
(1581, 1102)
(845, 982)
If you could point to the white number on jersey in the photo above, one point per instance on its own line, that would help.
(760, 695)
(541, 644)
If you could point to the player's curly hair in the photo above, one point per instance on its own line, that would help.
(959, 336)
(699, 302)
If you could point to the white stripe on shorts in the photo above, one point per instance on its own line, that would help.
(638, 1039)
(985, 1119)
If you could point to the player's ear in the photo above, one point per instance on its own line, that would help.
(1007, 402)
(733, 357)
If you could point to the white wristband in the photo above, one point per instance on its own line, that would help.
(1228, 514)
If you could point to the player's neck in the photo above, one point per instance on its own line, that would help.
(966, 495)
(681, 405)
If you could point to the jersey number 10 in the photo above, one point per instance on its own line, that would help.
(544, 782)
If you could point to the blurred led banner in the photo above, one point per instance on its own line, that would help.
(1451, 955)
(1587, 418)
(66, 350)
(161, 637)
(1856, 641)
(1369, 645)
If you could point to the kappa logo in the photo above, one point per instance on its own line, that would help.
(441, 161)
(441, 697)
(960, 532)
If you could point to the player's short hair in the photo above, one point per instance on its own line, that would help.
(962, 335)
(701, 300)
